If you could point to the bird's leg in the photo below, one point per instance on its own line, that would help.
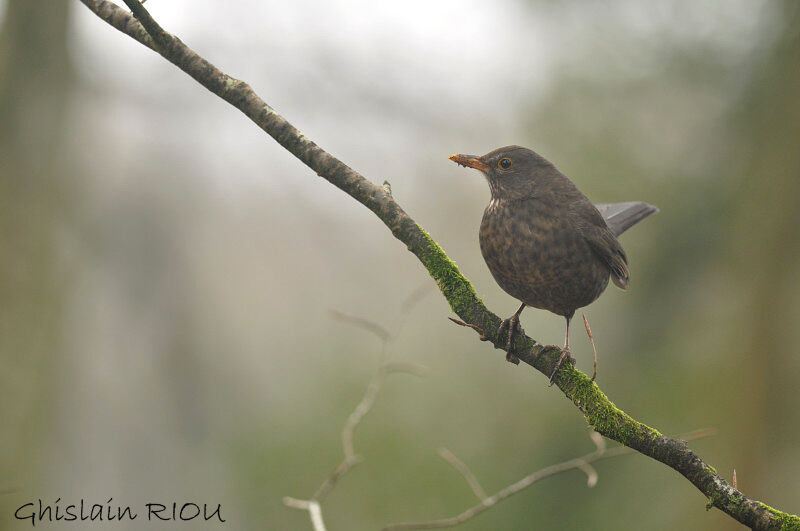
(564, 353)
(513, 325)
(594, 350)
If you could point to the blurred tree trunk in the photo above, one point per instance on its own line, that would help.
(763, 250)
(35, 85)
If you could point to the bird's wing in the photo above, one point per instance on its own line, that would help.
(622, 216)
(610, 252)
(603, 241)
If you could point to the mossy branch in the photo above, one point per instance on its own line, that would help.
(600, 413)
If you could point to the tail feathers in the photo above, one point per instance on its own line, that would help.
(622, 216)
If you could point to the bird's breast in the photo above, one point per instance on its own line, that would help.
(537, 256)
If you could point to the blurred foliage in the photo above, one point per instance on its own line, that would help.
(165, 286)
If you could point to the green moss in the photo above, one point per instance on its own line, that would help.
(601, 414)
(456, 288)
(789, 522)
(721, 500)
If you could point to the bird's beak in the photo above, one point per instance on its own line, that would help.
(469, 161)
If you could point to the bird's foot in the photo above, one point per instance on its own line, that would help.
(512, 323)
(564, 354)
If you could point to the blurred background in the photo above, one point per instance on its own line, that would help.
(167, 271)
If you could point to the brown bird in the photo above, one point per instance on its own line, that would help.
(545, 243)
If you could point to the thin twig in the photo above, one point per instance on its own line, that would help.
(360, 322)
(459, 465)
(405, 367)
(408, 304)
(353, 420)
(482, 335)
(341, 469)
(415, 297)
(598, 440)
(572, 464)
(161, 37)
(365, 405)
(591, 474)
(591, 339)
(313, 508)
(368, 400)
(359, 412)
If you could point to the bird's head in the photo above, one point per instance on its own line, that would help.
(512, 171)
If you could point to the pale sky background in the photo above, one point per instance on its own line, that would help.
(428, 68)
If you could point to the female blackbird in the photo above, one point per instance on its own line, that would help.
(545, 243)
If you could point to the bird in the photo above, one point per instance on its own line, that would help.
(544, 241)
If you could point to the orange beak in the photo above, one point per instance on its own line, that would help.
(469, 161)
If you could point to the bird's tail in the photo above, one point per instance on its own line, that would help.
(622, 216)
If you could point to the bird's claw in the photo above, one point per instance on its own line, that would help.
(564, 354)
(512, 323)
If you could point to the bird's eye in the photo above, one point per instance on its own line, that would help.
(504, 163)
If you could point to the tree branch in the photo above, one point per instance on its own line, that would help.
(464, 470)
(313, 508)
(364, 406)
(600, 413)
(487, 502)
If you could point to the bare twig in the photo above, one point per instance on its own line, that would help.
(408, 304)
(459, 465)
(415, 297)
(313, 508)
(343, 468)
(375, 384)
(591, 474)
(358, 414)
(482, 335)
(598, 440)
(599, 411)
(161, 37)
(591, 339)
(581, 463)
(360, 322)
(405, 367)
(367, 401)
